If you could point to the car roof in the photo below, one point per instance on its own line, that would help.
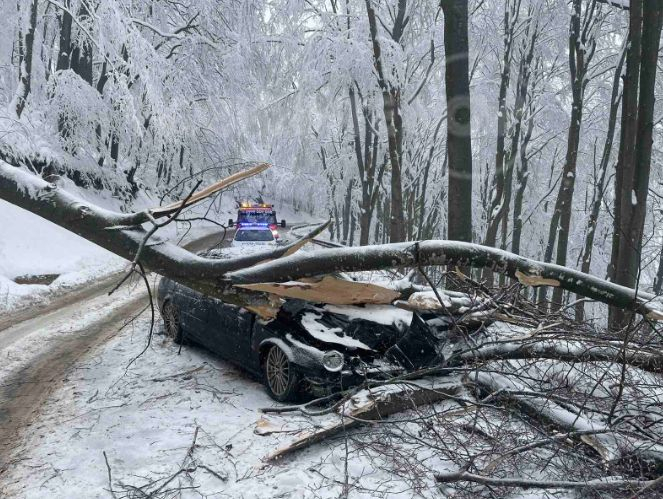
(253, 227)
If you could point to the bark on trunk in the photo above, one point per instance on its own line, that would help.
(25, 62)
(599, 188)
(581, 49)
(391, 97)
(511, 14)
(459, 129)
(123, 235)
(632, 179)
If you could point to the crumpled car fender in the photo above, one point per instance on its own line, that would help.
(298, 353)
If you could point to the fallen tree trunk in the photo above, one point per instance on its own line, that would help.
(124, 235)
(450, 253)
(563, 350)
(611, 445)
(609, 483)
(381, 403)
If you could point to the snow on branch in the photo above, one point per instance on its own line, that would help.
(123, 234)
(450, 253)
(608, 483)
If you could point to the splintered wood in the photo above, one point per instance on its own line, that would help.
(328, 290)
(375, 407)
(535, 280)
(210, 190)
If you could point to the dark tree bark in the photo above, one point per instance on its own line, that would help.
(511, 14)
(391, 97)
(366, 166)
(522, 176)
(81, 54)
(581, 51)
(658, 280)
(599, 188)
(25, 61)
(64, 49)
(459, 129)
(424, 184)
(124, 235)
(633, 167)
(522, 92)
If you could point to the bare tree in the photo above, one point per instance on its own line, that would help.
(26, 49)
(391, 96)
(497, 205)
(124, 235)
(582, 45)
(634, 162)
(459, 128)
(600, 186)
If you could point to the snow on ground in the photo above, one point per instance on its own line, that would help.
(31, 245)
(144, 418)
(22, 343)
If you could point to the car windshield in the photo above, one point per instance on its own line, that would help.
(254, 235)
(256, 217)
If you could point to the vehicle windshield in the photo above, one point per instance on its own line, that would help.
(256, 217)
(254, 235)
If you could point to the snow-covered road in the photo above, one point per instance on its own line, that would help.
(145, 420)
(73, 410)
(39, 347)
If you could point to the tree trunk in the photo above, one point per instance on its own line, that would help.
(424, 187)
(124, 235)
(522, 175)
(391, 102)
(579, 57)
(81, 55)
(64, 50)
(459, 129)
(522, 90)
(633, 168)
(25, 68)
(497, 201)
(599, 188)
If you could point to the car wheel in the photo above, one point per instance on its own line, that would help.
(171, 322)
(281, 377)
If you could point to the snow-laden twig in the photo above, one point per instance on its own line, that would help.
(609, 483)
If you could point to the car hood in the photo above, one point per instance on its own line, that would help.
(370, 331)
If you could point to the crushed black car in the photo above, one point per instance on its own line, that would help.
(307, 348)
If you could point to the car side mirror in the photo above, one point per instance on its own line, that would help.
(283, 223)
(231, 223)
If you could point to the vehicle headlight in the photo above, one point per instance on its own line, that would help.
(333, 361)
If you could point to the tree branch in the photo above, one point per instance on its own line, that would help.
(598, 484)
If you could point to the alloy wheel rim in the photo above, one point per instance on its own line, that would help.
(171, 320)
(278, 371)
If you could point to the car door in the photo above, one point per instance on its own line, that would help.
(230, 327)
(194, 312)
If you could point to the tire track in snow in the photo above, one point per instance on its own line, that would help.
(23, 390)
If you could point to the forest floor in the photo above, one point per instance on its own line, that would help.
(186, 422)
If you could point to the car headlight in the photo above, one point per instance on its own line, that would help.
(333, 361)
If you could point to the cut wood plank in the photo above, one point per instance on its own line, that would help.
(379, 405)
(328, 290)
(162, 211)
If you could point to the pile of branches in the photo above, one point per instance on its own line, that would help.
(528, 399)
(588, 401)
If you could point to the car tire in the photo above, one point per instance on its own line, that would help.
(171, 322)
(280, 376)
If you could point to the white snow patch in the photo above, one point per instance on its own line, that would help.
(386, 315)
(329, 335)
